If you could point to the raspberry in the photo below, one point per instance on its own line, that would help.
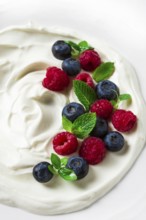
(56, 79)
(65, 143)
(89, 60)
(85, 77)
(103, 108)
(93, 150)
(123, 120)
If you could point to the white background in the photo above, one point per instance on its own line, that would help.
(122, 24)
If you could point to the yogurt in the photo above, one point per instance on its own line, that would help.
(30, 116)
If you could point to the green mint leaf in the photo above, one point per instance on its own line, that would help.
(56, 162)
(104, 71)
(123, 97)
(76, 49)
(84, 124)
(65, 170)
(73, 45)
(75, 54)
(85, 93)
(67, 175)
(114, 104)
(64, 161)
(67, 124)
(84, 46)
(52, 169)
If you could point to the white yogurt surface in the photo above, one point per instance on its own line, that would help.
(30, 116)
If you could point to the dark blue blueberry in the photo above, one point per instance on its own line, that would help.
(79, 166)
(114, 141)
(71, 66)
(100, 129)
(41, 172)
(73, 110)
(107, 90)
(61, 50)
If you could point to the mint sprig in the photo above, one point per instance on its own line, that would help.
(121, 97)
(85, 93)
(73, 45)
(58, 167)
(83, 45)
(77, 49)
(82, 126)
(104, 71)
(67, 174)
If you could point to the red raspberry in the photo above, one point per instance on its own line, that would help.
(65, 143)
(93, 150)
(85, 77)
(89, 60)
(56, 79)
(123, 120)
(103, 108)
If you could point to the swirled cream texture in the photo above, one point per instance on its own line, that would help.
(30, 116)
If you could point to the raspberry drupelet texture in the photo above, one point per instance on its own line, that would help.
(93, 150)
(85, 77)
(65, 143)
(123, 120)
(103, 108)
(56, 79)
(89, 60)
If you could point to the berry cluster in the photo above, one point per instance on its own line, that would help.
(57, 79)
(98, 139)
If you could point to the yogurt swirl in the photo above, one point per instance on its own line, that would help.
(30, 116)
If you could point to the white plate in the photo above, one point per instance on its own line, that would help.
(122, 25)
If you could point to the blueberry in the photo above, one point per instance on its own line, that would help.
(78, 165)
(114, 141)
(41, 172)
(73, 110)
(61, 50)
(107, 90)
(100, 129)
(71, 66)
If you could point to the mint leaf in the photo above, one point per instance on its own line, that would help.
(67, 174)
(65, 170)
(52, 170)
(104, 71)
(58, 167)
(114, 103)
(73, 45)
(84, 124)
(75, 49)
(56, 162)
(123, 97)
(64, 161)
(75, 54)
(67, 124)
(84, 46)
(85, 93)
